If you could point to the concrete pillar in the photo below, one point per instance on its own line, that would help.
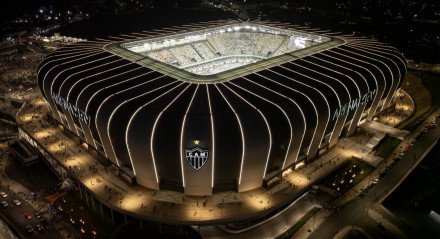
(113, 219)
(80, 192)
(93, 202)
(87, 200)
(102, 211)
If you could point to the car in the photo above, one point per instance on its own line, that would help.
(16, 202)
(28, 216)
(39, 227)
(29, 229)
(38, 215)
(4, 204)
(3, 194)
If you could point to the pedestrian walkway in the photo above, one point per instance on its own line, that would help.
(171, 206)
(312, 224)
(372, 126)
(163, 205)
(362, 152)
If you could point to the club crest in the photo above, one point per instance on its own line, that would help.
(196, 157)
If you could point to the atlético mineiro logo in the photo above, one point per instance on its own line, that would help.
(196, 157)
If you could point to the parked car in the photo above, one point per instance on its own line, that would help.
(3, 194)
(16, 202)
(28, 216)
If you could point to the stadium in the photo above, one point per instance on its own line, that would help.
(224, 107)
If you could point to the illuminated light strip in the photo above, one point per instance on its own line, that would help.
(243, 143)
(63, 53)
(374, 78)
(129, 124)
(388, 97)
(42, 82)
(355, 71)
(340, 82)
(94, 41)
(386, 51)
(267, 125)
(127, 37)
(398, 71)
(105, 100)
(302, 114)
(310, 100)
(140, 35)
(55, 58)
(182, 131)
(116, 38)
(340, 73)
(52, 59)
(367, 63)
(320, 93)
(54, 79)
(319, 82)
(82, 45)
(288, 120)
(96, 92)
(98, 65)
(155, 124)
(105, 79)
(126, 131)
(73, 67)
(370, 41)
(381, 47)
(66, 112)
(212, 137)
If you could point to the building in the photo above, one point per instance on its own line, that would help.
(220, 108)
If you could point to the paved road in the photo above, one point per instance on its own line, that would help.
(355, 212)
(275, 226)
(15, 216)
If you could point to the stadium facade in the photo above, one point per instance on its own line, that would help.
(221, 108)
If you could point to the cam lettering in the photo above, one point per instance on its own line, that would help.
(353, 104)
(72, 109)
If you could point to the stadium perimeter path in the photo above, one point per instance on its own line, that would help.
(168, 206)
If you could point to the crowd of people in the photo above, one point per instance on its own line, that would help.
(18, 74)
(227, 44)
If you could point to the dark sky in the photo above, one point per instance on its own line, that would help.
(13, 8)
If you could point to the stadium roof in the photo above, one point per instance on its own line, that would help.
(129, 50)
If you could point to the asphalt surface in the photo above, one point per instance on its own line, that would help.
(274, 226)
(16, 216)
(355, 212)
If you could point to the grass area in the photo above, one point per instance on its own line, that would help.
(347, 176)
(293, 229)
(387, 146)
(424, 88)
